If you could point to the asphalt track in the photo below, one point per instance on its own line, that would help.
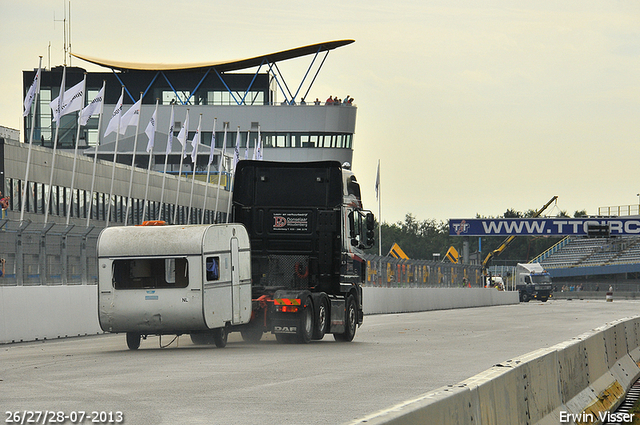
(393, 358)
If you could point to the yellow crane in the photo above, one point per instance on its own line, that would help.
(509, 239)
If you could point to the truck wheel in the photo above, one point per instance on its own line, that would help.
(252, 334)
(133, 340)
(220, 336)
(320, 327)
(525, 297)
(200, 338)
(305, 328)
(350, 322)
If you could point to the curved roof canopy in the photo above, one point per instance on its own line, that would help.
(222, 66)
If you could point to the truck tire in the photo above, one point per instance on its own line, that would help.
(133, 340)
(350, 321)
(525, 297)
(220, 336)
(200, 338)
(322, 318)
(252, 334)
(305, 326)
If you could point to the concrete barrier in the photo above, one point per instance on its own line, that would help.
(573, 382)
(403, 300)
(29, 313)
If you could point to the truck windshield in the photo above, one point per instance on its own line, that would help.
(541, 278)
(145, 273)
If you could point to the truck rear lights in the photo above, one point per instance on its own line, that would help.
(287, 308)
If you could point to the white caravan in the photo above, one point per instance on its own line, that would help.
(155, 280)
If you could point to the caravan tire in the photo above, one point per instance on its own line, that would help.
(133, 340)
(220, 336)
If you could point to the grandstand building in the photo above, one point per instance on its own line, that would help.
(243, 98)
(594, 263)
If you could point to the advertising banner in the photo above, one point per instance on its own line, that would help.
(542, 226)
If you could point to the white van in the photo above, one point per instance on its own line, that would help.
(174, 280)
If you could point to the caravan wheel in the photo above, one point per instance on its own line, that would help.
(220, 336)
(133, 340)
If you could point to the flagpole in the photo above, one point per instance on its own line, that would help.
(55, 144)
(166, 158)
(115, 156)
(75, 150)
(224, 148)
(211, 155)
(194, 157)
(379, 213)
(133, 164)
(150, 152)
(185, 127)
(33, 125)
(236, 159)
(95, 156)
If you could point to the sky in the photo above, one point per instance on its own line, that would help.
(471, 107)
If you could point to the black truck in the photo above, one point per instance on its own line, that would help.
(307, 228)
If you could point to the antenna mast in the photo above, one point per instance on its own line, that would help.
(66, 32)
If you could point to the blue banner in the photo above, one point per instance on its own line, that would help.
(541, 226)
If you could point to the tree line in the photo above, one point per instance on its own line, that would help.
(420, 239)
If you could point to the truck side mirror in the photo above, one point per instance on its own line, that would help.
(370, 221)
(352, 225)
(370, 224)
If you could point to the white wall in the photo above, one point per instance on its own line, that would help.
(29, 313)
(404, 300)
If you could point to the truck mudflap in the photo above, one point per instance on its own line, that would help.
(288, 311)
(337, 324)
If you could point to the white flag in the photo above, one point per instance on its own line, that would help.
(130, 117)
(92, 108)
(182, 135)
(115, 118)
(246, 149)
(259, 146)
(224, 151)
(378, 181)
(236, 151)
(170, 134)
(150, 131)
(213, 143)
(31, 94)
(71, 102)
(194, 145)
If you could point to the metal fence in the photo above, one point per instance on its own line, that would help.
(54, 254)
(395, 273)
(57, 254)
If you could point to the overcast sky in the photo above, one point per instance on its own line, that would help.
(472, 107)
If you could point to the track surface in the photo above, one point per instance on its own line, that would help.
(393, 358)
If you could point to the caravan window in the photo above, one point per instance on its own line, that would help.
(213, 268)
(145, 273)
